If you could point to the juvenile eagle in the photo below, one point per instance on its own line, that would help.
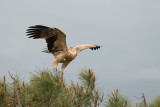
(56, 44)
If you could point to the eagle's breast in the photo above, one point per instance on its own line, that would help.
(70, 55)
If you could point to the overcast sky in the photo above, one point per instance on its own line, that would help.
(127, 30)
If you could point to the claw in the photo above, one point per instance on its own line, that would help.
(62, 72)
(55, 67)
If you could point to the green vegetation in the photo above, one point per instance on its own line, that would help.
(155, 102)
(116, 99)
(47, 88)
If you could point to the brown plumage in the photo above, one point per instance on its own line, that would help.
(56, 44)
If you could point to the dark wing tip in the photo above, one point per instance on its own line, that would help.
(96, 47)
(36, 31)
(37, 26)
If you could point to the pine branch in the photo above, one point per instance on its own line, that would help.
(96, 100)
(16, 91)
(144, 99)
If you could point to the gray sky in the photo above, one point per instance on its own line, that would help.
(127, 30)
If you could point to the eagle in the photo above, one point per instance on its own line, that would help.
(56, 44)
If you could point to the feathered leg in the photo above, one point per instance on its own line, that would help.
(64, 65)
(55, 64)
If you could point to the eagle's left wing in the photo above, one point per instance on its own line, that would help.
(87, 46)
(55, 38)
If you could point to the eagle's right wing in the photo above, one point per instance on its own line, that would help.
(86, 46)
(55, 38)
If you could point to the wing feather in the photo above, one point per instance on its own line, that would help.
(55, 38)
(86, 46)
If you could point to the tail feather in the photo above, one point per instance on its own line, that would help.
(45, 50)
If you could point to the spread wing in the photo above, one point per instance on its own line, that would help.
(87, 46)
(55, 38)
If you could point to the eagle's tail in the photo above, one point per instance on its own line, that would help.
(45, 50)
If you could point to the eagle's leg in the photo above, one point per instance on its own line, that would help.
(55, 64)
(62, 71)
(64, 65)
(55, 67)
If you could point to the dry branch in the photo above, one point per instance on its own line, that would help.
(16, 91)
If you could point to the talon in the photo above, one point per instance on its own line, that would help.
(55, 68)
(62, 72)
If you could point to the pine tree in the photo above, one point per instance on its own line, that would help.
(47, 88)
